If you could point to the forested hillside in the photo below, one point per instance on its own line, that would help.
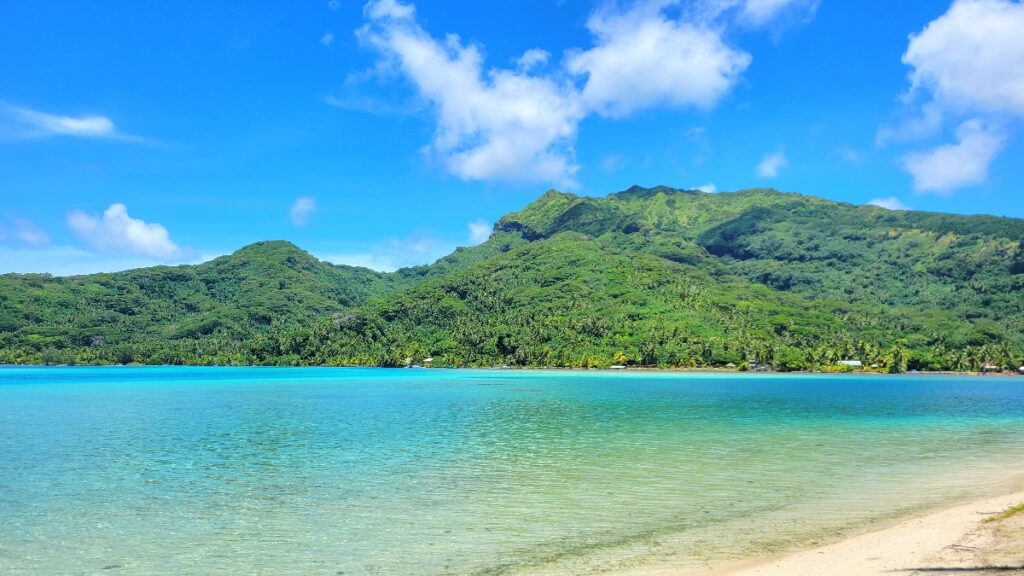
(647, 277)
(175, 314)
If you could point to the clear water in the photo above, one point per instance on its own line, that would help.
(357, 471)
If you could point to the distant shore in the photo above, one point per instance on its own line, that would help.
(701, 370)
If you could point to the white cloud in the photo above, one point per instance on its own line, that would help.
(708, 188)
(763, 12)
(302, 209)
(772, 163)
(966, 64)
(389, 9)
(22, 231)
(22, 124)
(532, 58)
(327, 39)
(972, 57)
(502, 124)
(515, 124)
(87, 126)
(916, 124)
(889, 203)
(643, 58)
(479, 231)
(396, 253)
(117, 232)
(951, 166)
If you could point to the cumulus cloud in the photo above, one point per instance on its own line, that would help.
(532, 58)
(951, 166)
(389, 9)
(889, 203)
(302, 209)
(971, 58)
(517, 124)
(23, 123)
(772, 163)
(966, 64)
(116, 232)
(643, 58)
(502, 124)
(708, 188)
(327, 39)
(479, 231)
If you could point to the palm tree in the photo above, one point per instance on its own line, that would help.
(960, 361)
(831, 356)
(897, 359)
(1005, 353)
(974, 358)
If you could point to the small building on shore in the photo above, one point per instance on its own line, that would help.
(851, 363)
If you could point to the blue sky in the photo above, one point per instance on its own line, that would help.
(387, 133)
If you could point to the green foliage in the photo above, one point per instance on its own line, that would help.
(1006, 514)
(216, 312)
(650, 277)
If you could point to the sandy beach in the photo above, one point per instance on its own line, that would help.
(967, 538)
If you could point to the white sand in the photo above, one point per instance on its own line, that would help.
(954, 540)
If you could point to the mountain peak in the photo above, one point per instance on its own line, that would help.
(637, 191)
(269, 252)
(270, 246)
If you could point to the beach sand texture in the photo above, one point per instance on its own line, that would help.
(955, 540)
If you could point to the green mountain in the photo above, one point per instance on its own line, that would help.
(175, 314)
(648, 276)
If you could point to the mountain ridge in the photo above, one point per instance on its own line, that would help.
(652, 276)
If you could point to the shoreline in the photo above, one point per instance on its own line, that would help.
(956, 538)
(631, 369)
(962, 536)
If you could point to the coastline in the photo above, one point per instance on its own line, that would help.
(966, 536)
(631, 369)
(957, 538)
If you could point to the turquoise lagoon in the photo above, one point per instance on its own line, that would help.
(227, 471)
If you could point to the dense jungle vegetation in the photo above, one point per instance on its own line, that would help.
(648, 276)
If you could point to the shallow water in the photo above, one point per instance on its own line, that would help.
(363, 471)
